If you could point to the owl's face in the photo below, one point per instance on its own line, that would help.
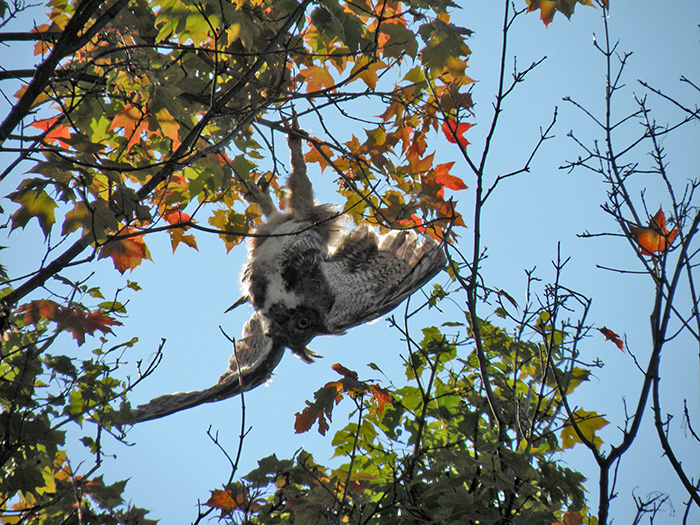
(295, 327)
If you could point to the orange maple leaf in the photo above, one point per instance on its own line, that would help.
(315, 156)
(381, 397)
(612, 336)
(126, 254)
(37, 310)
(175, 216)
(454, 132)
(447, 180)
(656, 238)
(54, 132)
(317, 78)
(229, 500)
(571, 518)
(133, 120)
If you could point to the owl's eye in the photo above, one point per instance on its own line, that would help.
(303, 323)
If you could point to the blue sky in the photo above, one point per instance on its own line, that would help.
(172, 461)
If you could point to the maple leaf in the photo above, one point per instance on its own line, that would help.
(175, 216)
(178, 236)
(167, 126)
(656, 238)
(54, 132)
(33, 202)
(126, 254)
(366, 70)
(316, 78)
(74, 319)
(133, 121)
(234, 498)
(454, 132)
(37, 310)
(446, 180)
(315, 156)
(549, 7)
(588, 423)
(612, 336)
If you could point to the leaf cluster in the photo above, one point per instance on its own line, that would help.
(430, 451)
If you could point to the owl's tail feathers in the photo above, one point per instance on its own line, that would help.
(255, 356)
(168, 404)
(422, 258)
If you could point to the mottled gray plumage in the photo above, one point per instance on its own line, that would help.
(306, 276)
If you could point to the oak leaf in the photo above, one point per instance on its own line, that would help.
(655, 238)
(320, 410)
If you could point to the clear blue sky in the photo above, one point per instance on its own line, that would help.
(173, 462)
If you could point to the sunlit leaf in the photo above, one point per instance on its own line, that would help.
(588, 423)
(549, 7)
(612, 336)
(34, 203)
(126, 254)
(454, 132)
(655, 238)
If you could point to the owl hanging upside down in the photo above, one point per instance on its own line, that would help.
(305, 276)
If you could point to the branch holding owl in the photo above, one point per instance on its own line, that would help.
(306, 275)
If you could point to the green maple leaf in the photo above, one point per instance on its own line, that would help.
(34, 203)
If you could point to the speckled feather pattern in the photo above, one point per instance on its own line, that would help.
(307, 276)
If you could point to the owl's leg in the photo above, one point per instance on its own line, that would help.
(301, 200)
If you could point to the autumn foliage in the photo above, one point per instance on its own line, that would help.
(167, 118)
(656, 238)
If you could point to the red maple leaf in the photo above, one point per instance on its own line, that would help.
(175, 216)
(454, 132)
(612, 336)
(74, 319)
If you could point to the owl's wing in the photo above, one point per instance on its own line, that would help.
(254, 358)
(371, 275)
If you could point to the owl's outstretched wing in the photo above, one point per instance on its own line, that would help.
(254, 358)
(371, 275)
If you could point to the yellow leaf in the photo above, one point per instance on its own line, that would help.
(588, 423)
(168, 126)
(366, 71)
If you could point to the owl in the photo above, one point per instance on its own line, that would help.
(305, 276)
